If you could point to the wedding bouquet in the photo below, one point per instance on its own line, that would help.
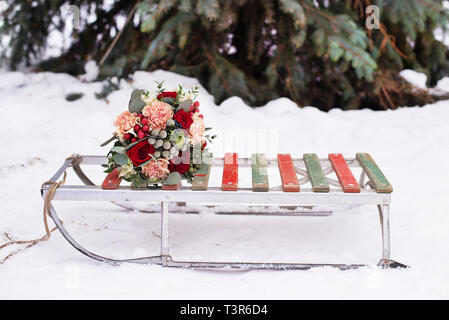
(160, 138)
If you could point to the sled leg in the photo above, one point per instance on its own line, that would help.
(385, 261)
(248, 266)
(77, 246)
(164, 233)
(362, 180)
(81, 175)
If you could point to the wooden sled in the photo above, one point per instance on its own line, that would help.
(376, 190)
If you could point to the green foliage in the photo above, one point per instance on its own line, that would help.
(74, 96)
(121, 159)
(316, 52)
(135, 102)
(173, 178)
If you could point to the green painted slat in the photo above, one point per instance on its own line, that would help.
(259, 172)
(142, 186)
(375, 175)
(201, 180)
(258, 158)
(316, 174)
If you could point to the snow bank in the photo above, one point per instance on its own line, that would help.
(443, 84)
(40, 128)
(418, 79)
(91, 68)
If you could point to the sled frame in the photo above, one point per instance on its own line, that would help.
(275, 196)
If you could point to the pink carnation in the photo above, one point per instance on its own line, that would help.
(125, 121)
(158, 114)
(197, 129)
(156, 170)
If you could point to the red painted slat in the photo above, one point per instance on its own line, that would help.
(171, 186)
(288, 174)
(230, 172)
(345, 177)
(112, 180)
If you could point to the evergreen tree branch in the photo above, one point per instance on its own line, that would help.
(128, 18)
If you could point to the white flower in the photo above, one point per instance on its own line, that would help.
(127, 170)
(184, 97)
(151, 96)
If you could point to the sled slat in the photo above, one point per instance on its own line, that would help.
(171, 186)
(316, 174)
(288, 174)
(230, 172)
(112, 180)
(375, 175)
(259, 172)
(142, 186)
(345, 177)
(201, 180)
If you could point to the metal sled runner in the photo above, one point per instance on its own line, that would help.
(372, 188)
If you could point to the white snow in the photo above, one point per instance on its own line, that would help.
(13, 80)
(443, 84)
(39, 129)
(418, 79)
(440, 34)
(92, 70)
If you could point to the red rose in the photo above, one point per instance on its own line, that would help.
(140, 153)
(167, 94)
(181, 163)
(181, 168)
(184, 118)
(204, 145)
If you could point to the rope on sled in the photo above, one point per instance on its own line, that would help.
(46, 212)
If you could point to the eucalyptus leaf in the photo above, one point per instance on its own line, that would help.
(136, 105)
(138, 181)
(173, 178)
(146, 162)
(121, 159)
(118, 149)
(169, 100)
(137, 93)
(131, 145)
(185, 105)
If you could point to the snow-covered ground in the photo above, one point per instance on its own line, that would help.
(39, 129)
